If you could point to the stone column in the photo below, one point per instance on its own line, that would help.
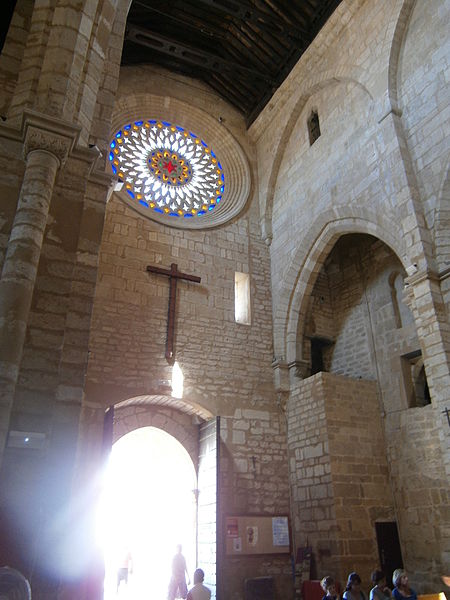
(47, 143)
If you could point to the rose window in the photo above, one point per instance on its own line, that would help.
(167, 168)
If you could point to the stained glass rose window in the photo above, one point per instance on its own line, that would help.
(167, 168)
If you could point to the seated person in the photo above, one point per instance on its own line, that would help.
(401, 586)
(353, 588)
(380, 591)
(199, 591)
(329, 587)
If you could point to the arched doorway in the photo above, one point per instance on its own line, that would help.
(148, 507)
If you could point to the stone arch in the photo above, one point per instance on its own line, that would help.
(319, 82)
(233, 158)
(401, 27)
(177, 417)
(101, 123)
(400, 30)
(305, 265)
(442, 223)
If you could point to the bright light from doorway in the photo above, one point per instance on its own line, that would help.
(147, 508)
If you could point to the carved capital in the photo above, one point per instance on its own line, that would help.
(417, 279)
(299, 369)
(422, 275)
(40, 132)
(37, 139)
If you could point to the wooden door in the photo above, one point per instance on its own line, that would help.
(389, 549)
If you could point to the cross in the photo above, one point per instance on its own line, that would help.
(173, 274)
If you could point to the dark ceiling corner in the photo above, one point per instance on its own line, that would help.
(7, 11)
(243, 49)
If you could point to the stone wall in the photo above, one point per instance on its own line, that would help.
(222, 361)
(253, 481)
(226, 365)
(421, 490)
(423, 99)
(376, 76)
(174, 422)
(12, 52)
(356, 280)
(339, 473)
(377, 172)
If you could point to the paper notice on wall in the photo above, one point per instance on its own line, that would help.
(280, 531)
(237, 544)
(232, 527)
(252, 535)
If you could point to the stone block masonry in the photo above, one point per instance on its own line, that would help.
(339, 473)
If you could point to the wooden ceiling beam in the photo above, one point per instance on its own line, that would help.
(243, 49)
(249, 13)
(189, 54)
(239, 100)
(178, 15)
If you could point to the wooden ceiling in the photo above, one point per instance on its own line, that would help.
(243, 49)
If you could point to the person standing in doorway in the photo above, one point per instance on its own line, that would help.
(177, 583)
(199, 591)
(125, 568)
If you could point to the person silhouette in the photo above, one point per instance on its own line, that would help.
(199, 591)
(124, 569)
(177, 583)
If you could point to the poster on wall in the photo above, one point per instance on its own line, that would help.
(280, 531)
(256, 534)
(252, 535)
(232, 527)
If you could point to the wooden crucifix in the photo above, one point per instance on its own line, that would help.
(174, 275)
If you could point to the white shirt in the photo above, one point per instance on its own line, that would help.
(199, 592)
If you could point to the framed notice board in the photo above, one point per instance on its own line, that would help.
(257, 534)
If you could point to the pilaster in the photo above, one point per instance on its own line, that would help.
(46, 146)
(424, 297)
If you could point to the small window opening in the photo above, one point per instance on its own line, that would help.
(415, 380)
(177, 381)
(313, 127)
(242, 298)
(320, 350)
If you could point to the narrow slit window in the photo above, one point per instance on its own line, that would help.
(242, 298)
(313, 127)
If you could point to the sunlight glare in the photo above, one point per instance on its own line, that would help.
(147, 508)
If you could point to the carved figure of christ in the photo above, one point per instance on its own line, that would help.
(174, 275)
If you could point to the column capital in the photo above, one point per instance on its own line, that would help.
(285, 373)
(40, 132)
(280, 373)
(421, 275)
(299, 369)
